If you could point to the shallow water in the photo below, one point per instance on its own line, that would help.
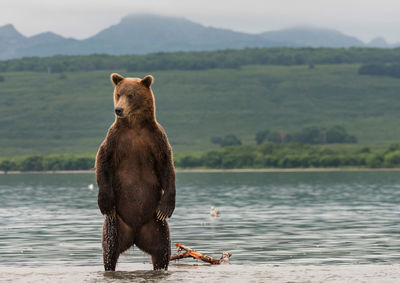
(335, 224)
(205, 273)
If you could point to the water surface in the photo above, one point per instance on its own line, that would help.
(300, 220)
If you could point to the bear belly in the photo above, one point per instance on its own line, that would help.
(138, 193)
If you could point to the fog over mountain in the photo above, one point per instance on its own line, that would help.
(146, 33)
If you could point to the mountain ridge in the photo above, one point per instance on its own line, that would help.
(167, 34)
(313, 37)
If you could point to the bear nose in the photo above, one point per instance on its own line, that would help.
(119, 111)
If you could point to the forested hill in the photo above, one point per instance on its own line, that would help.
(64, 104)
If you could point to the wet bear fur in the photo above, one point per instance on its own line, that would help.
(136, 177)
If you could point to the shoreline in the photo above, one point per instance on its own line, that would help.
(242, 170)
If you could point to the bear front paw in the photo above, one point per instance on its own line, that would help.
(164, 211)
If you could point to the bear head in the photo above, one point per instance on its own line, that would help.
(133, 97)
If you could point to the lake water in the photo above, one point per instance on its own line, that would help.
(299, 226)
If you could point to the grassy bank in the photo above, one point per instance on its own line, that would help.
(49, 114)
(69, 108)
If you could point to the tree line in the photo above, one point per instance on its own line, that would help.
(265, 155)
(291, 155)
(47, 163)
(202, 60)
(307, 135)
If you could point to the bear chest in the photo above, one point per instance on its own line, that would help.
(134, 155)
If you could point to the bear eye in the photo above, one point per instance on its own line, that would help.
(118, 95)
(130, 96)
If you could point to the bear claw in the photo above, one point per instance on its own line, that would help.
(161, 216)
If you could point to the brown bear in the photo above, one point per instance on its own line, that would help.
(136, 176)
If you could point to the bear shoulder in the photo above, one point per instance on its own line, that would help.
(159, 139)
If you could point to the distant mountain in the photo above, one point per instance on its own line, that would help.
(312, 37)
(143, 33)
(135, 34)
(8, 34)
(10, 39)
(47, 44)
(15, 45)
(380, 42)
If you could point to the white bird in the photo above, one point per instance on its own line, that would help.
(90, 187)
(214, 212)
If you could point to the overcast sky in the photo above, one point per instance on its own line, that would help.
(365, 19)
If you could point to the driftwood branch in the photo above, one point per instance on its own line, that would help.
(188, 252)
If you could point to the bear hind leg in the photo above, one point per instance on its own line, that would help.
(110, 243)
(117, 238)
(153, 238)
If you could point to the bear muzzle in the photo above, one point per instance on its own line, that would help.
(119, 111)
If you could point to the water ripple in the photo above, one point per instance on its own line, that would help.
(266, 218)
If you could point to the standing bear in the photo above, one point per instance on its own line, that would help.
(136, 176)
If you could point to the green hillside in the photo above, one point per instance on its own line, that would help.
(70, 112)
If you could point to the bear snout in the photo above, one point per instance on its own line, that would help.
(119, 111)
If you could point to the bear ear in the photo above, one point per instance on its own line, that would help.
(116, 78)
(147, 81)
